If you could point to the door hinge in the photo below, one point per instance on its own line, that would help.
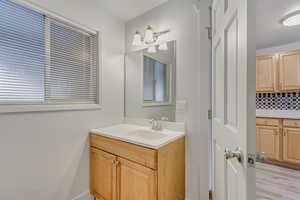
(209, 32)
(209, 114)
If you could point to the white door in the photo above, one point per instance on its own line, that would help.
(233, 122)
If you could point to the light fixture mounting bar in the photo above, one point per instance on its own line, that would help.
(161, 33)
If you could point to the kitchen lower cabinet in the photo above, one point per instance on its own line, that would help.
(291, 145)
(125, 171)
(268, 141)
(280, 139)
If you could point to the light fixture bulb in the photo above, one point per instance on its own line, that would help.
(149, 35)
(137, 39)
(163, 47)
(152, 49)
(292, 19)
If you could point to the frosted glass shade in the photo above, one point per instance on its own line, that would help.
(137, 39)
(149, 35)
(163, 47)
(152, 49)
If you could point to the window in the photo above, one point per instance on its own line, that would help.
(44, 60)
(156, 77)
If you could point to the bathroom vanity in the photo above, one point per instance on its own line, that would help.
(130, 162)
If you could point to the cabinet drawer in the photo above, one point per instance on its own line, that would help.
(138, 154)
(291, 123)
(267, 121)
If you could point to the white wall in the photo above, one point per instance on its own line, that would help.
(187, 23)
(278, 49)
(44, 156)
(134, 83)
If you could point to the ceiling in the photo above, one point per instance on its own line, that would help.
(129, 9)
(269, 32)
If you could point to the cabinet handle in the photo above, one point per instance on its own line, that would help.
(115, 162)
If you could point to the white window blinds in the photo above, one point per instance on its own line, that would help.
(43, 60)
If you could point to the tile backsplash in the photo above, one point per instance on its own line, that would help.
(278, 101)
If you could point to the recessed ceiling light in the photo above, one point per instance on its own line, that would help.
(292, 19)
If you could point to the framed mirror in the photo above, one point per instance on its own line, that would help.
(150, 83)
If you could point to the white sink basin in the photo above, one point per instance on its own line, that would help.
(147, 135)
(139, 135)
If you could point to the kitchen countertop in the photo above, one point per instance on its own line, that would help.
(139, 135)
(286, 114)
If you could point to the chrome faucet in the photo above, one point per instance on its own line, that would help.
(156, 125)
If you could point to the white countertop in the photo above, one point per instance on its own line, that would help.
(139, 135)
(286, 114)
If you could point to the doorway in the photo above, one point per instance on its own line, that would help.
(278, 99)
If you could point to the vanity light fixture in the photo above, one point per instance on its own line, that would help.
(149, 38)
(149, 35)
(137, 39)
(292, 19)
(152, 49)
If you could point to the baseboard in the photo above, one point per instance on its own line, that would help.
(84, 196)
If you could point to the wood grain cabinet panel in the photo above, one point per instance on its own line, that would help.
(268, 141)
(295, 123)
(266, 71)
(139, 154)
(290, 71)
(291, 145)
(136, 182)
(124, 171)
(268, 121)
(103, 175)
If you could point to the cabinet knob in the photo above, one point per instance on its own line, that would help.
(115, 162)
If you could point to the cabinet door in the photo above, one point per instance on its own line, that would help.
(268, 141)
(257, 140)
(291, 145)
(136, 182)
(266, 73)
(290, 71)
(103, 175)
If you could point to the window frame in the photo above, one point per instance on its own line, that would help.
(170, 83)
(53, 106)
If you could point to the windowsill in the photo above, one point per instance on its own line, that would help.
(157, 104)
(47, 108)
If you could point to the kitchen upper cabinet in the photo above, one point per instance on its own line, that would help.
(266, 73)
(136, 182)
(268, 141)
(104, 175)
(289, 71)
(291, 145)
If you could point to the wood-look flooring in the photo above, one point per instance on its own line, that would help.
(277, 183)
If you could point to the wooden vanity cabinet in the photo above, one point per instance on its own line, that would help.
(124, 171)
(266, 73)
(104, 174)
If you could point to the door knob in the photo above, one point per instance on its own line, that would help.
(238, 154)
